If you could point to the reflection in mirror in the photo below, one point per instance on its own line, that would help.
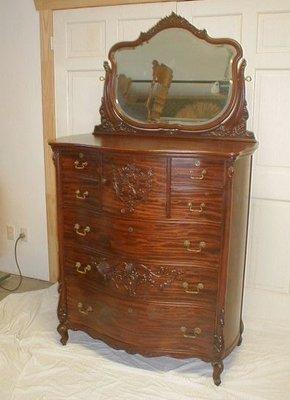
(174, 78)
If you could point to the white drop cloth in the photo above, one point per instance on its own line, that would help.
(35, 366)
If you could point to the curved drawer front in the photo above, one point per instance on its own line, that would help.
(134, 186)
(151, 241)
(197, 205)
(81, 192)
(195, 172)
(143, 324)
(80, 163)
(143, 280)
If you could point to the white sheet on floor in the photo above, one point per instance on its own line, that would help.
(35, 366)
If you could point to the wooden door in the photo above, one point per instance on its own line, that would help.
(82, 40)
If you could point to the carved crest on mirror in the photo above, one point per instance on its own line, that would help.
(175, 80)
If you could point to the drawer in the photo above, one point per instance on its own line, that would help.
(196, 173)
(170, 327)
(181, 242)
(80, 163)
(128, 277)
(134, 186)
(197, 205)
(81, 192)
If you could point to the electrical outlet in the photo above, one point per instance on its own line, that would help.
(24, 232)
(10, 231)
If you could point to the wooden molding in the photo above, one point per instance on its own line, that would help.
(48, 112)
(68, 4)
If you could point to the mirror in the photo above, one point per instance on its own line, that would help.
(174, 78)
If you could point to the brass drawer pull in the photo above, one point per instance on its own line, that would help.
(83, 310)
(82, 270)
(199, 287)
(198, 178)
(199, 210)
(80, 164)
(81, 196)
(201, 246)
(85, 230)
(194, 335)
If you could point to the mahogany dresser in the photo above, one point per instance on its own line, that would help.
(153, 208)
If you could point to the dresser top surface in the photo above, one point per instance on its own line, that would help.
(163, 145)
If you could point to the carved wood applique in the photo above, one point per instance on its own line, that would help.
(132, 185)
(218, 342)
(130, 276)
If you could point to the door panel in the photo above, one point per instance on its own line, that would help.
(83, 38)
(263, 30)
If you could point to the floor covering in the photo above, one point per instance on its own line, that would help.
(35, 366)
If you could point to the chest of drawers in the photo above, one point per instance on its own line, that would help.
(152, 238)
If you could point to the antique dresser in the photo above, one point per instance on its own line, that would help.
(153, 207)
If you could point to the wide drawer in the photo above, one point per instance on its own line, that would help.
(160, 326)
(166, 242)
(195, 172)
(80, 163)
(197, 205)
(142, 280)
(134, 186)
(81, 192)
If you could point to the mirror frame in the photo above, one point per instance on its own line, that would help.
(230, 124)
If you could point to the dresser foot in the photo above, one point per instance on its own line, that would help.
(218, 368)
(63, 331)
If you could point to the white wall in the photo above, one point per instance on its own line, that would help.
(22, 187)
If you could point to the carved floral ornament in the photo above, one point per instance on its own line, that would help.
(231, 123)
(130, 276)
(132, 185)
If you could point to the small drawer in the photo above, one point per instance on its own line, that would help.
(80, 163)
(197, 205)
(196, 173)
(171, 327)
(127, 277)
(81, 192)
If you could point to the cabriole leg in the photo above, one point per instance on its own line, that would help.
(63, 331)
(218, 368)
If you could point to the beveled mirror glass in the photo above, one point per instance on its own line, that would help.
(174, 78)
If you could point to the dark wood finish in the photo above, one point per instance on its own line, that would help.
(152, 257)
(151, 241)
(127, 277)
(118, 319)
(232, 123)
(197, 205)
(194, 172)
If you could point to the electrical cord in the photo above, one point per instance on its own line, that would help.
(21, 236)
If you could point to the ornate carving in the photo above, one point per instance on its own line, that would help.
(132, 185)
(218, 343)
(62, 315)
(233, 123)
(176, 21)
(222, 318)
(231, 171)
(55, 156)
(107, 67)
(238, 130)
(130, 276)
(112, 126)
